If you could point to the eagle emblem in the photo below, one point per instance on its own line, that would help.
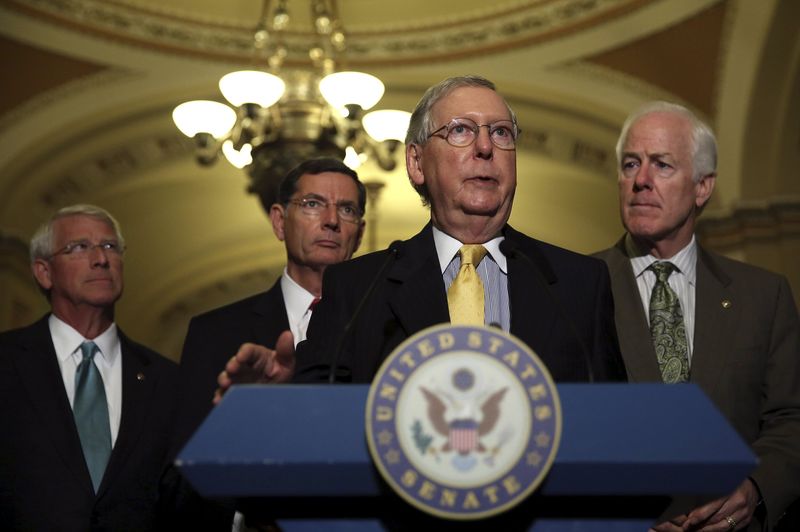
(463, 418)
(463, 421)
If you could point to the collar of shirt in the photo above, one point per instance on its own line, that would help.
(685, 260)
(296, 298)
(67, 342)
(447, 247)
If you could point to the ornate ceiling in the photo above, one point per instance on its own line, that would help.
(89, 86)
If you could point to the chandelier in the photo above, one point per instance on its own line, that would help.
(282, 116)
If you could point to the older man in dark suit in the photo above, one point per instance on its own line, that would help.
(461, 158)
(86, 412)
(686, 314)
(319, 217)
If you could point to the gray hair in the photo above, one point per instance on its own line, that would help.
(704, 143)
(421, 123)
(42, 241)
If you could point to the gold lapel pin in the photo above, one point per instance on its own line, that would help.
(726, 303)
(140, 376)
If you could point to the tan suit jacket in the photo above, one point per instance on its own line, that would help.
(746, 358)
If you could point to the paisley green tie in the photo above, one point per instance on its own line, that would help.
(667, 328)
(465, 295)
(91, 414)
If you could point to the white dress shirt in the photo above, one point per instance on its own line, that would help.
(683, 281)
(493, 271)
(67, 342)
(297, 301)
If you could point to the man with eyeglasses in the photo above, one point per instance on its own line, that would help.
(318, 216)
(686, 314)
(461, 158)
(84, 409)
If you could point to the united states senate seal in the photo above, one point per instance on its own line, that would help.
(463, 422)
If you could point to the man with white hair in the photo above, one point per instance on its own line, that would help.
(684, 314)
(86, 411)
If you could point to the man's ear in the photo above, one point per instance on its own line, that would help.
(42, 274)
(703, 189)
(414, 164)
(276, 216)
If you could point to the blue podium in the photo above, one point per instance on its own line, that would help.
(626, 450)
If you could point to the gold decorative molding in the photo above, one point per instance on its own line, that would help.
(501, 26)
(749, 222)
(598, 75)
(115, 165)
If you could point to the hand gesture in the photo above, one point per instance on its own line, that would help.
(255, 363)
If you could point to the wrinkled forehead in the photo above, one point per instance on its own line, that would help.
(81, 226)
(660, 132)
(332, 186)
(480, 104)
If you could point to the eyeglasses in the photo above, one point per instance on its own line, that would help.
(462, 132)
(82, 248)
(347, 210)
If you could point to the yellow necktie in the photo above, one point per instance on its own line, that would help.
(465, 296)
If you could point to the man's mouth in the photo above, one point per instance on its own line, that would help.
(481, 179)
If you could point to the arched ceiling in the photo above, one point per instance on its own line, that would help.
(90, 86)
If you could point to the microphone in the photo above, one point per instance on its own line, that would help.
(511, 249)
(394, 253)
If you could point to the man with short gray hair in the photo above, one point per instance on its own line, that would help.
(461, 159)
(684, 314)
(86, 410)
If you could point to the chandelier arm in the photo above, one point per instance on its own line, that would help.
(287, 116)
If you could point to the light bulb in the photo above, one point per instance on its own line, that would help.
(204, 116)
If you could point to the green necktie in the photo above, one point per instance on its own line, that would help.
(91, 414)
(465, 295)
(667, 328)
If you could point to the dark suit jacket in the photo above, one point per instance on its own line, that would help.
(212, 339)
(44, 482)
(746, 357)
(410, 296)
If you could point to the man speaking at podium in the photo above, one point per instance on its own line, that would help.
(461, 158)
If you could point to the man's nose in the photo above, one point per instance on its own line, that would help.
(483, 143)
(330, 216)
(98, 255)
(643, 178)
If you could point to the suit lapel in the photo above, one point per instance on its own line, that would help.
(632, 326)
(420, 299)
(715, 322)
(529, 281)
(137, 390)
(269, 316)
(40, 376)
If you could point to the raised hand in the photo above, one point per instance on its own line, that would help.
(255, 363)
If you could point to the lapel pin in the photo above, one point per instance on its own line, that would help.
(726, 303)
(140, 376)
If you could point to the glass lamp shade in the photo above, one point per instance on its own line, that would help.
(351, 158)
(204, 116)
(387, 124)
(251, 86)
(238, 158)
(343, 88)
